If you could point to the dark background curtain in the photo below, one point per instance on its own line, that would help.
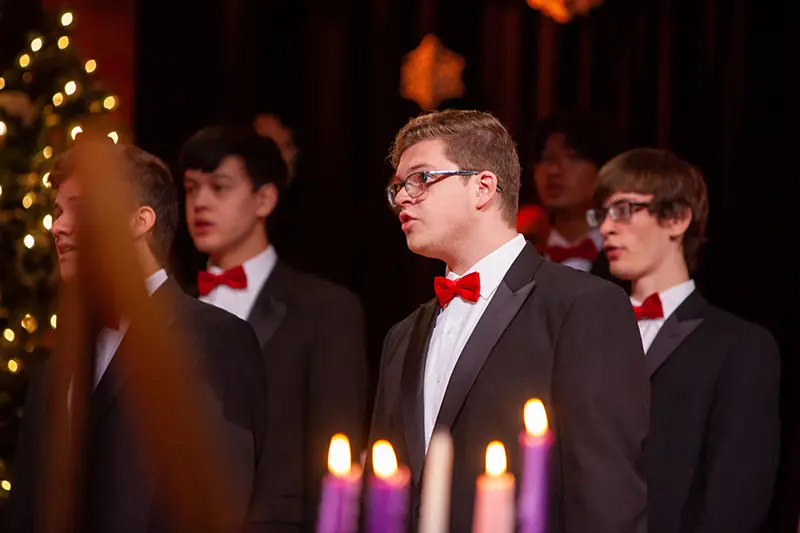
(712, 80)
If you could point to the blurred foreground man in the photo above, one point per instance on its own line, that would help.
(137, 460)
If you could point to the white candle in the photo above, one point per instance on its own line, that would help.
(436, 482)
(494, 496)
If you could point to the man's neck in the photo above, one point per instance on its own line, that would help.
(669, 274)
(571, 224)
(253, 245)
(479, 245)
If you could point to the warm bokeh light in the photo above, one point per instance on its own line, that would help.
(91, 66)
(6, 485)
(53, 321)
(29, 323)
(29, 241)
(496, 462)
(47, 152)
(66, 19)
(2, 83)
(339, 458)
(384, 461)
(46, 179)
(75, 131)
(28, 199)
(36, 44)
(24, 60)
(47, 222)
(110, 102)
(13, 366)
(58, 99)
(70, 87)
(114, 136)
(535, 417)
(63, 42)
(3, 128)
(8, 335)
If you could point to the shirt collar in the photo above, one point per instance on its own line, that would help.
(494, 266)
(156, 280)
(556, 239)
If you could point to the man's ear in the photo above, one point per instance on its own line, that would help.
(267, 198)
(679, 223)
(144, 219)
(487, 189)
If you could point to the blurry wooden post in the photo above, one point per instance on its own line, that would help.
(165, 406)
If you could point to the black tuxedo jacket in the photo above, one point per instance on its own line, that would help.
(714, 443)
(122, 489)
(313, 341)
(550, 332)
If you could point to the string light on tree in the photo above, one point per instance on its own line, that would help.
(47, 152)
(110, 102)
(564, 10)
(70, 87)
(90, 66)
(13, 366)
(46, 179)
(53, 321)
(66, 19)
(3, 128)
(58, 99)
(29, 241)
(2, 83)
(24, 60)
(114, 136)
(9, 335)
(75, 131)
(47, 222)
(63, 42)
(36, 44)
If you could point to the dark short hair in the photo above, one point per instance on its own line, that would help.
(590, 134)
(261, 156)
(152, 183)
(674, 183)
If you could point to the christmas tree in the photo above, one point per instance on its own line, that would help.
(47, 97)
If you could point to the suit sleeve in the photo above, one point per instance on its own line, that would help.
(602, 402)
(337, 390)
(236, 376)
(743, 444)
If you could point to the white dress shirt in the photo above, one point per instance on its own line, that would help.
(556, 239)
(240, 301)
(108, 340)
(671, 299)
(455, 324)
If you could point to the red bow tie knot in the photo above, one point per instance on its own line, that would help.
(234, 278)
(468, 288)
(650, 309)
(583, 250)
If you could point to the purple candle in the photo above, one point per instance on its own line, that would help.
(536, 441)
(338, 508)
(387, 492)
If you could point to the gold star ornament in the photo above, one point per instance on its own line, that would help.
(431, 74)
(563, 10)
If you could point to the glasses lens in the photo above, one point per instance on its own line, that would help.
(621, 211)
(415, 184)
(594, 217)
(391, 194)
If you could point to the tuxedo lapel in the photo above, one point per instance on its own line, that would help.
(118, 371)
(686, 318)
(411, 386)
(511, 294)
(270, 306)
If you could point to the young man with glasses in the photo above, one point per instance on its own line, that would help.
(713, 448)
(311, 332)
(507, 326)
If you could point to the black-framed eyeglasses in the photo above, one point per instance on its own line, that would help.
(415, 184)
(620, 211)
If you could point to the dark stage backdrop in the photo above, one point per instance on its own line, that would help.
(709, 79)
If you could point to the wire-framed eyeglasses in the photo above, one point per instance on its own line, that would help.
(416, 183)
(620, 211)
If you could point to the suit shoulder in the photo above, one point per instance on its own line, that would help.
(320, 288)
(565, 285)
(739, 330)
(208, 317)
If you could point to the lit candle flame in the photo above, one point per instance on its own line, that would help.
(496, 458)
(384, 461)
(535, 417)
(339, 455)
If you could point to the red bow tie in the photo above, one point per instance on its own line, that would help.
(583, 250)
(650, 309)
(234, 278)
(468, 288)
